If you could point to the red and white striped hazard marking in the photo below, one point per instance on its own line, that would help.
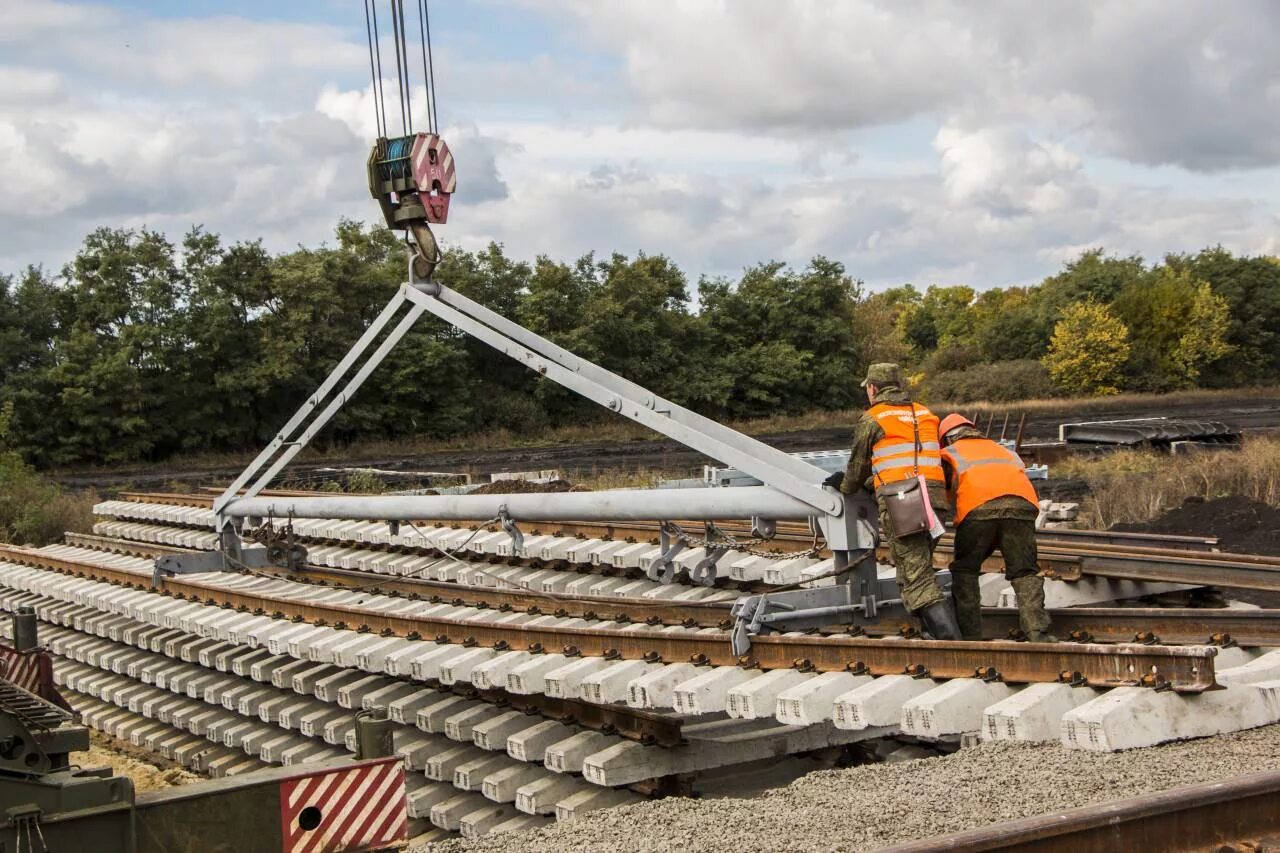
(361, 808)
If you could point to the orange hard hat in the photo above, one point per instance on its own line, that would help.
(952, 421)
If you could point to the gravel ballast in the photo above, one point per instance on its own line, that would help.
(862, 808)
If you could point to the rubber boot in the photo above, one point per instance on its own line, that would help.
(967, 598)
(1032, 616)
(940, 621)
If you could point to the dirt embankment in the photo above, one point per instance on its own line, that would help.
(125, 760)
(1242, 525)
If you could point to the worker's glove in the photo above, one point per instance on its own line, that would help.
(834, 480)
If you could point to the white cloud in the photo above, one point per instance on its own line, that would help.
(721, 133)
(1154, 81)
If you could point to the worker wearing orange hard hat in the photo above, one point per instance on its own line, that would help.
(995, 508)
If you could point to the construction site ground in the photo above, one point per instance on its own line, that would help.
(148, 771)
(1241, 525)
(875, 805)
(1250, 413)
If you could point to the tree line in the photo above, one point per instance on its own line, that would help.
(142, 349)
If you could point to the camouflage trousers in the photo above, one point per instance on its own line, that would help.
(912, 557)
(977, 539)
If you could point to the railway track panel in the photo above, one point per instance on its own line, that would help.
(468, 670)
(1058, 560)
(1192, 625)
(1183, 669)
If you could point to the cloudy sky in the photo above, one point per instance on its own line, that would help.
(928, 141)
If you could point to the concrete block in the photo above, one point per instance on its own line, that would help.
(393, 692)
(812, 701)
(757, 698)
(1132, 717)
(415, 747)
(502, 785)
(610, 684)
(530, 677)
(953, 707)
(530, 744)
(433, 717)
(459, 726)
(567, 755)
(708, 692)
(486, 819)
(336, 732)
(330, 688)
(1265, 667)
(576, 805)
(540, 796)
(1034, 713)
(492, 733)
(492, 673)
(448, 815)
(470, 775)
(566, 681)
(656, 689)
(878, 702)
(404, 710)
(520, 823)
(440, 766)
(421, 799)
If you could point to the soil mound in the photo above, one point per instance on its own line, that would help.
(1242, 525)
(525, 487)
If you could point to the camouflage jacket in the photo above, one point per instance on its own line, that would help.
(866, 432)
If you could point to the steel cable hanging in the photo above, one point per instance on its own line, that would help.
(404, 81)
(429, 68)
(376, 48)
(397, 41)
(368, 31)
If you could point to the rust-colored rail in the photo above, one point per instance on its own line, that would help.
(1103, 624)
(1234, 816)
(1182, 668)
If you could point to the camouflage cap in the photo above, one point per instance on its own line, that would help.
(883, 375)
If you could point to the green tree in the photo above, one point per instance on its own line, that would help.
(1251, 287)
(1205, 339)
(1177, 325)
(783, 339)
(1088, 350)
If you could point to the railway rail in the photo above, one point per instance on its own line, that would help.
(1063, 555)
(514, 705)
(1179, 668)
(1189, 625)
(1235, 816)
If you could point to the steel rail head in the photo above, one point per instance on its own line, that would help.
(1180, 668)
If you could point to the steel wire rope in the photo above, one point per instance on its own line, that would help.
(373, 75)
(380, 94)
(425, 8)
(428, 82)
(404, 50)
(397, 41)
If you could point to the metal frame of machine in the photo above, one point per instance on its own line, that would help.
(792, 487)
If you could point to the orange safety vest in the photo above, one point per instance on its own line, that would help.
(984, 471)
(897, 456)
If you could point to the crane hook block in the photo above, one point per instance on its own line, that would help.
(433, 170)
(412, 177)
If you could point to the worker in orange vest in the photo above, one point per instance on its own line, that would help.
(894, 443)
(995, 507)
